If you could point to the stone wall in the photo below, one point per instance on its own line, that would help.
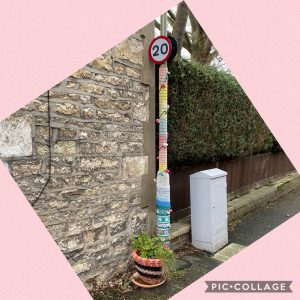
(99, 121)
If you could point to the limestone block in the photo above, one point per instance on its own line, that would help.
(67, 109)
(56, 230)
(26, 168)
(120, 206)
(89, 135)
(70, 96)
(81, 267)
(132, 147)
(113, 93)
(135, 167)
(102, 255)
(87, 113)
(65, 148)
(112, 104)
(16, 137)
(94, 235)
(130, 49)
(120, 248)
(113, 117)
(141, 112)
(113, 80)
(66, 134)
(118, 68)
(71, 243)
(118, 227)
(138, 222)
(77, 226)
(102, 63)
(97, 190)
(42, 133)
(132, 72)
(82, 74)
(105, 147)
(38, 105)
(42, 149)
(91, 88)
(92, 164)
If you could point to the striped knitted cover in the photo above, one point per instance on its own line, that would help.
(162, 181)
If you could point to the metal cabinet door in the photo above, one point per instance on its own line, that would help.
(219, 206)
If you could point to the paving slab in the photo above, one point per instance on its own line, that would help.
(228, 251)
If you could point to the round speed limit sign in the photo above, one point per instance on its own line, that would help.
(160, 49)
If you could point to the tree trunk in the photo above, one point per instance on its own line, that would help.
(180, 24)
(202, 48)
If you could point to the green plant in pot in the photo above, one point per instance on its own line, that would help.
(153, 261)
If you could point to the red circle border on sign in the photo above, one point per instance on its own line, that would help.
(169, 54)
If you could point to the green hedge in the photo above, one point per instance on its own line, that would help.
(211, 118)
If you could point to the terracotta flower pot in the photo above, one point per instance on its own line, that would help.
(149, 269)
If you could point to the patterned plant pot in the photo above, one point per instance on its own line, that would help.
(149, 269)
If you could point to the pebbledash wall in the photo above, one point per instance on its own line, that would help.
(102, 145)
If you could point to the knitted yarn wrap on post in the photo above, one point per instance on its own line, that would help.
(163, 181)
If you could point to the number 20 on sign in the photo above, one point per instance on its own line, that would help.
(160, 49)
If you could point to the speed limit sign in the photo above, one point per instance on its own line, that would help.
(160, 49)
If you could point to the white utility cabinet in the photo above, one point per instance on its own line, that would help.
(209, 209)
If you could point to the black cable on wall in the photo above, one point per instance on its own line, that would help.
(50, 155)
